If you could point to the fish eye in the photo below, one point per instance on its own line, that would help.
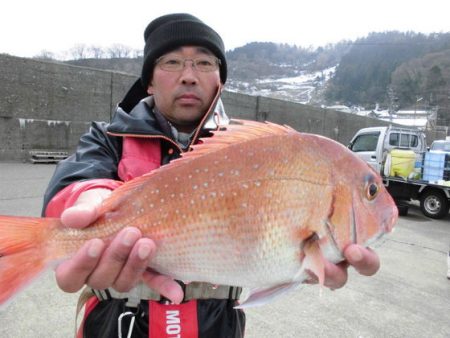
(371, 191)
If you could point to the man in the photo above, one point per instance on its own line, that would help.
(175, 102)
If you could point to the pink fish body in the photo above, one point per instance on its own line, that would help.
(253, 206)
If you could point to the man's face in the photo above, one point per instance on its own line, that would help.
(184, 96)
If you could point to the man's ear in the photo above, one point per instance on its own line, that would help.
(150, 89)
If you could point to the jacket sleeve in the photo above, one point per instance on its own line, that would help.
(95, 160)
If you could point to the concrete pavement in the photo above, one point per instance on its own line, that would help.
(409, 297)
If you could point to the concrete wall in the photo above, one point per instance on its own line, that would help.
(48, 105)
(333, 124)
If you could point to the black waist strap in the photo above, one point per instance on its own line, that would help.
(193, 290)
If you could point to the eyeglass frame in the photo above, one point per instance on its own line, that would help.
(217, 63)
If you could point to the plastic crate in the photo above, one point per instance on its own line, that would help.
(436, 166)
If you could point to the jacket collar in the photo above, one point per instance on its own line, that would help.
(136, 115)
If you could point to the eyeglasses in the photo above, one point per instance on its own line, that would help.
(171, 63)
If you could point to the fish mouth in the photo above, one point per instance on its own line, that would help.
(393, 219)
(386, 226)
(330, 246)
(388, 223)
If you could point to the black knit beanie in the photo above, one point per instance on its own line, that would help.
(171, 31)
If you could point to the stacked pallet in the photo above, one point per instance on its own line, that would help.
(44, 156)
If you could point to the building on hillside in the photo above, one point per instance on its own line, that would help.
(412, 118)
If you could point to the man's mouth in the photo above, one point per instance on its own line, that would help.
(188, 98)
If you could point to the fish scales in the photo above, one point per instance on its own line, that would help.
(239, 209)
(203, 212)
(222, 200)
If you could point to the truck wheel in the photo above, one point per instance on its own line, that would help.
(434, 204)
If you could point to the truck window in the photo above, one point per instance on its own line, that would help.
(403, 140)
(365, 142)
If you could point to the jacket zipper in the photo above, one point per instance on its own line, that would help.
(205, 117)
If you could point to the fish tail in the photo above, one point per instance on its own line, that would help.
(23, 252)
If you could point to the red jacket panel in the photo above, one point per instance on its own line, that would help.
(139, 156)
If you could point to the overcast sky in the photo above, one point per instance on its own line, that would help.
(29, 27)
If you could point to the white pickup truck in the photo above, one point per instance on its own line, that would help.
(377, 146)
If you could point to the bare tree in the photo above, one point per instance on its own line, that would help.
(96, 52)
(45, 55)
(119, 51)
(79, 51)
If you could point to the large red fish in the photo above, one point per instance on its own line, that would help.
(253, 206)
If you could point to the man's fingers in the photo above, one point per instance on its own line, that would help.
(79, 216)
(85, 210)
(93, 196)
(164, 285)
(72, 274)
(136, 264)
(119, 265)
(335, 275)
(364, 260)
(114, 259)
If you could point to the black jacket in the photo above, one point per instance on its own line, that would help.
(99, 150)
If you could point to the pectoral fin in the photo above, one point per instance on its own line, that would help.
(258, 297)
(313, 262)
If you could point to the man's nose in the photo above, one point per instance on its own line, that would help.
(189, 74)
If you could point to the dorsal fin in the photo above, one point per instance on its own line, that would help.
(239, 131)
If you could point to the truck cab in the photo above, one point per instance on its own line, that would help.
(373, 144)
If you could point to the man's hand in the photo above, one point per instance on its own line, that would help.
(121, 264)
(364, 260)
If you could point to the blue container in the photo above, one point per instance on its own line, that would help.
(431, 174)
(434, 164)
(435, 159)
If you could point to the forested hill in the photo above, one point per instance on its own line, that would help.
(394, 69)
(262, 60)
(253, 61)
